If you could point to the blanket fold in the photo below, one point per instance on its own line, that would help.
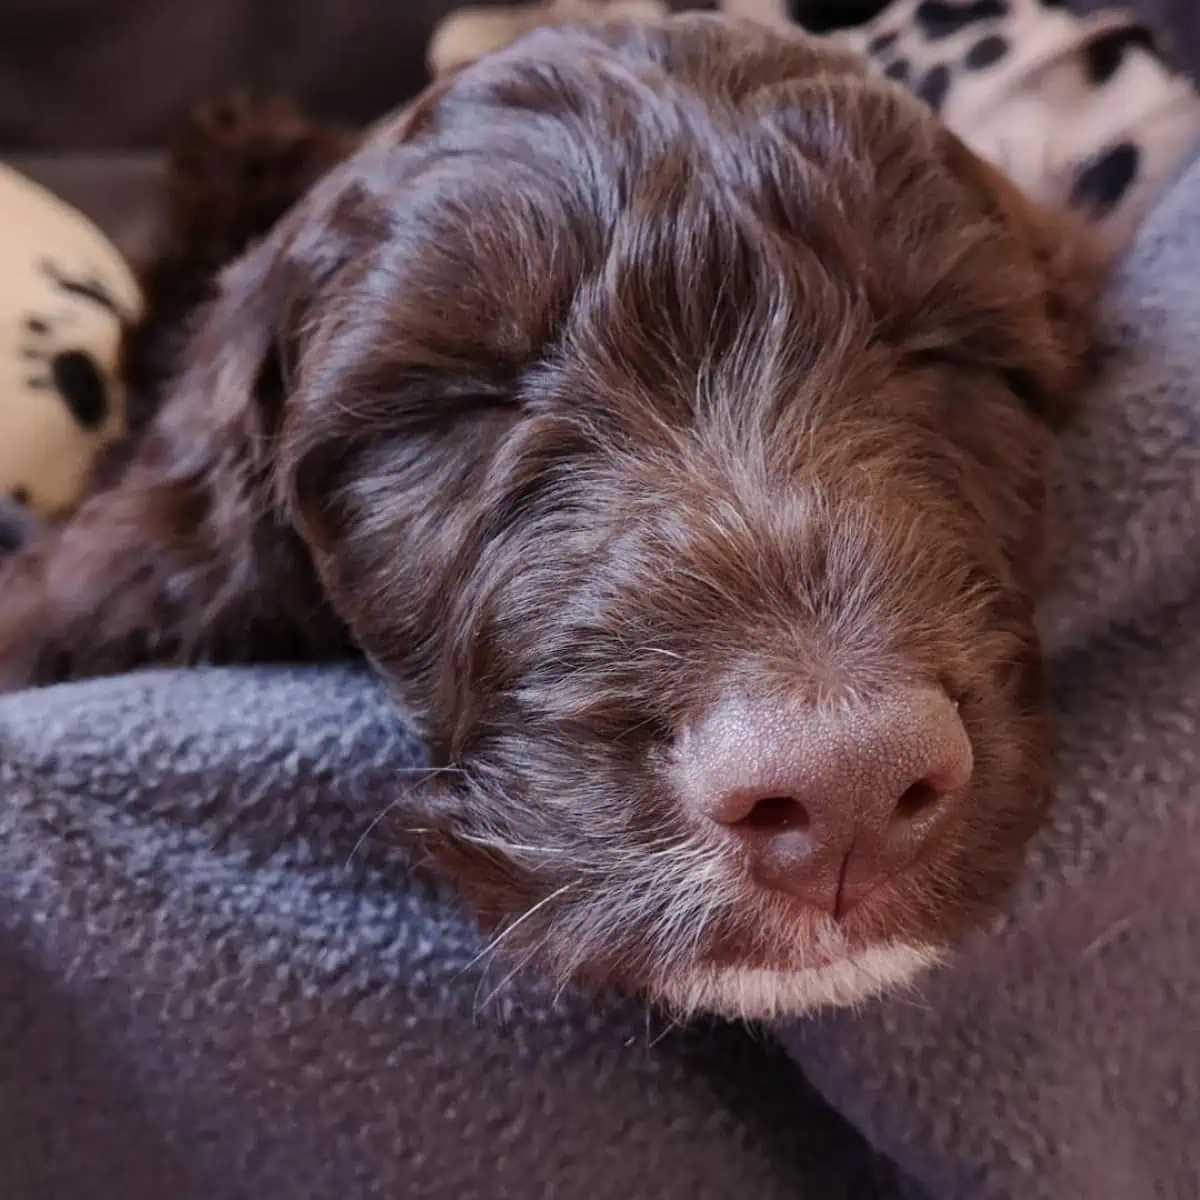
(218, 983)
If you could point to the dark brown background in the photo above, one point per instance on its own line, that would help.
(92, 74)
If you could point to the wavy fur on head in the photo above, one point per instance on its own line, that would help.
(635, 363)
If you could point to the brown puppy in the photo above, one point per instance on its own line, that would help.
(664, 410)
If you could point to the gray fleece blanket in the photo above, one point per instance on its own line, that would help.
(217, 981)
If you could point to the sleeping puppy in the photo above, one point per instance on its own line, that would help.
(664, 410)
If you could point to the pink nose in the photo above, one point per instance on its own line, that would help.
(829, 803)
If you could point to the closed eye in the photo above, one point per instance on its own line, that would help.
(1024, 385)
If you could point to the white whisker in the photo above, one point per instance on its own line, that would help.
(366, 833)
(492, 843)
(554, 895)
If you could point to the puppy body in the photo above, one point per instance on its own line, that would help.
(637, 371)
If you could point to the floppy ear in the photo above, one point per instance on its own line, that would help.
(994, 279)
(962, 267)
(1073, 261)
(186, 557)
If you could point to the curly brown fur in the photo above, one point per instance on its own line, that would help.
(232, 170)
(634, 365)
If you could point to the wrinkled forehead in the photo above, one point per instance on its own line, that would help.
(500, 258)
(518, 181)
(668, 186)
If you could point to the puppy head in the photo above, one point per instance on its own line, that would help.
(667, 409)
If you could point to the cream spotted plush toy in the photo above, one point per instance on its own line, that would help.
(1082, 111)
(64, 293)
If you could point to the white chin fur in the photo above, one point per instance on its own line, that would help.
(757, 993)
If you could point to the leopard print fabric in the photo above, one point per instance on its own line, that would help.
(1081, 111)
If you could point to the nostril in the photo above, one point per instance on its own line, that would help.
(917, 800)
(774, 814)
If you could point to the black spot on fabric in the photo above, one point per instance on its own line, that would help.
(897, 70)
(79, 382)
(933, 88)
(986, 51)
(1105, 55)
(20, 496)
(942, 19)
(73, 374)
(822, 16)
(1103, 182)
(881, 42)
